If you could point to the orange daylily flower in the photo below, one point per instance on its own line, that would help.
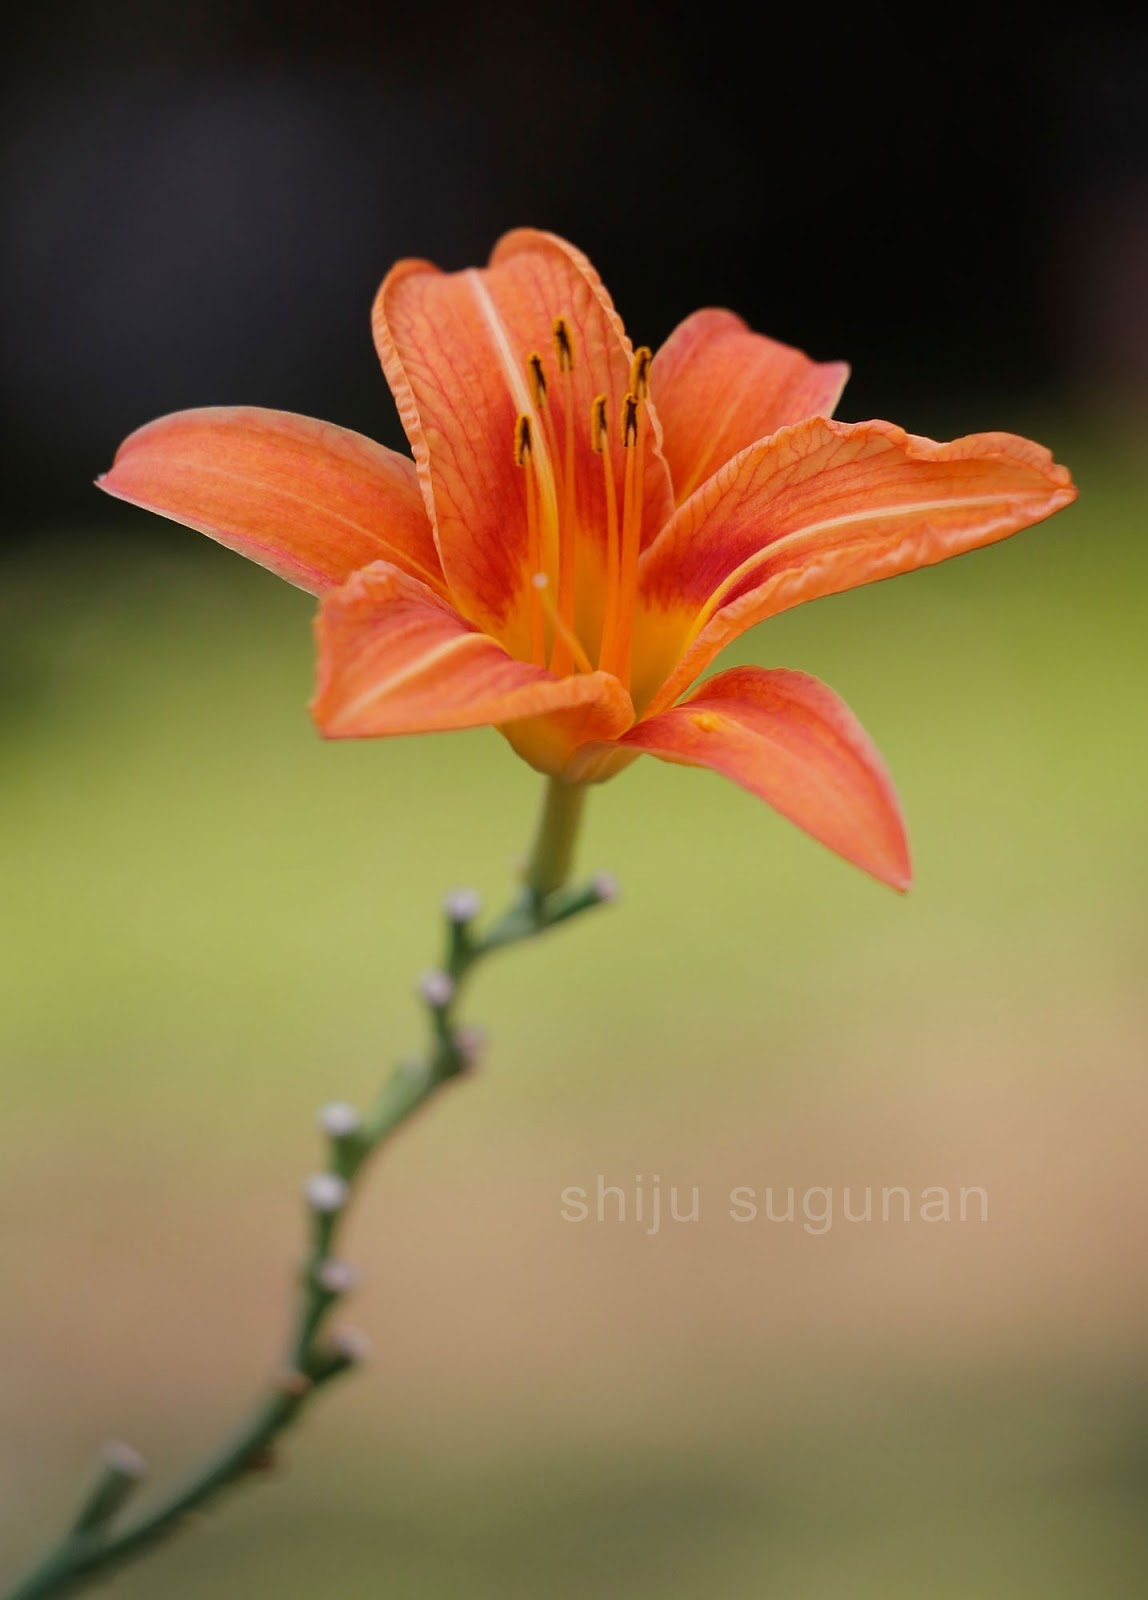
(584, 527)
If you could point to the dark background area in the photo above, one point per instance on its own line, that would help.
(201, 201)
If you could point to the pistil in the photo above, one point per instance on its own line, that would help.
(563, 633)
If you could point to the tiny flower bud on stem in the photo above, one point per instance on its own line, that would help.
(326, 1191)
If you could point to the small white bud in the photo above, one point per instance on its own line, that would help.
(326, 1191)
(470, 1042)
(122, 1458)
(339, 1120)
(436, 988)
(351, 1343)
(605, 886)
(462, 905)
(337, 1277)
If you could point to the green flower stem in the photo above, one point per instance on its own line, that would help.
(98, 1540)
(552, 856)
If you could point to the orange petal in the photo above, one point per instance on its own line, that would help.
(455, 348)
(719, 387)
(310, 501)
(787, 738)
(818, 508)
(393, 658)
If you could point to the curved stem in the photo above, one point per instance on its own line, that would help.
(96, 1543)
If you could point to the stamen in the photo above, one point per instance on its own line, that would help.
(543, 421)
(523, 440)
(562, 631)
(537, 379)
(524, 457)
(600, 440)
(599, 426)
(630, 420)
(616, 653)
(561, 656)
(640, 371)
(563, 345)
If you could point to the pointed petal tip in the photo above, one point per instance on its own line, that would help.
(890, 866)
(899, 875)
(308, 500)
(792, 742)
(845, 504)
(888, 860)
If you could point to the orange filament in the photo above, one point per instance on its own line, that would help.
(552, 512)
(524, 457)
(616, 644)
(567, 544)
(600, 441)
(551, 507)
(540, 393)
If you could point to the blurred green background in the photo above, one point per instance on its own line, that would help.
(214, 922)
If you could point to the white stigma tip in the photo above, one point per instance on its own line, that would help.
(436, 988)
(326, 1191)
(351, 1344)
(122, 1458)
(540, 580)
(605, 886)
(337, 1277)
(339, 1120)
(462, 905)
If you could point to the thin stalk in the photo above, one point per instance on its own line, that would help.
(552, 856)
(99, 1541)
